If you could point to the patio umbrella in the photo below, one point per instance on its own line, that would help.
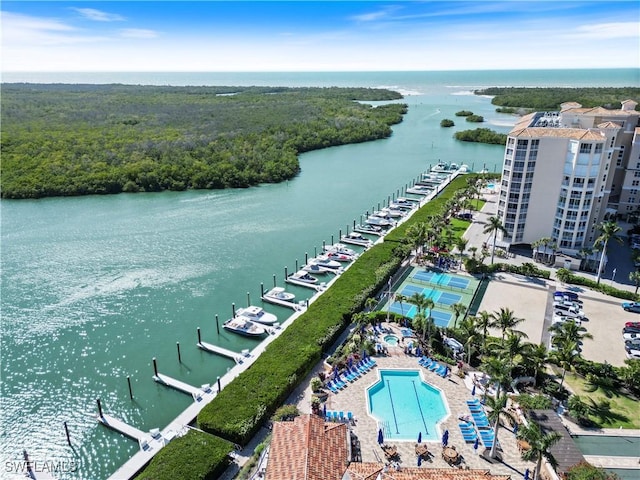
(350, 362)
(364, 354)
(335, 373)
(380, 437)
(526, 474)
(473, 390)
(515, 429)
(476, 444)
(324, 410)
(419, 437)
(419, 460)
(418, 352)
(445, 438)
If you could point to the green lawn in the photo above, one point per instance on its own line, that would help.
(624, 410)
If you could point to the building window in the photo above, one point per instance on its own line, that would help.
(598, 148)
(585, 148)
(635, 183)
(632, 199)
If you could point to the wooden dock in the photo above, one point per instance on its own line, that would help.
(236, 357)
(198, 394)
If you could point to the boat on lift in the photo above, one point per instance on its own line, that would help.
(257, 315)
(378, 221)
(340, 257)
(391, 212)
(303, 277)
(323, 261)
(340, 248)
(278, 296)
(356, 238)
(369, 229)
(244, 327)
(420, 190)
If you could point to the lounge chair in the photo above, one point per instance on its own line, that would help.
(339, 383)
(328, 416)
(469, 437)
(434, 366)
(350, 376)
(443, 372)
(341, 416)
(350, 417)
(425, 362)
(332, 388)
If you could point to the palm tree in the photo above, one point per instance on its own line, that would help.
(564, 355)
(469, 329)
(497, 368)
(569, 330)
(608, 231)
(536, 360)
(505, 319)
(484, 321)
(498, 408)
(461, 244)
(420, 300)
(417, 236)
(635, 278)
(400, 298)
(458, 309)
(494, 226)
(539, 443)
(370, 304)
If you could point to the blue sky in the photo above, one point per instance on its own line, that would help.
(318, 36)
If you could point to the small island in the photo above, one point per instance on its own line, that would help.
(63, 140)
(447, 123)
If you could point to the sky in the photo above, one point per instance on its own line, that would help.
(236, 36)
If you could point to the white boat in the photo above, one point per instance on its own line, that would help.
(393, 212)
(280, 294)
(443, 167)
(340, 248)
(325, 262)
(340, 257)
(356, 238)
(302, 276)
(244, 326)
(257, 315)
(370, 229)
(420, 190)
(453, 167)
(406, 206)
(317, 269)
(378, 221)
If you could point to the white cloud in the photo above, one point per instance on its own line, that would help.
(20, 30)
(99, 15)
(605, 31)
(138, 33)
(374, 16)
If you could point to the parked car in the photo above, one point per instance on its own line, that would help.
(568, 311)
(455, 345)
(632, 343)
(632, 324)
(631, 307)
(633, 353)
(630, 330)
(630, 336)
(569, 295)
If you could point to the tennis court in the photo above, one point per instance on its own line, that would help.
(445, 289)
(442, 279)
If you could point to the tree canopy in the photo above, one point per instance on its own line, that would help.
(60, 139)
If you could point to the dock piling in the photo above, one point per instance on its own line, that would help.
(261, 289)
(66, 431)
(199, 336)
(99, 408)
(130, 389)
(286, 273)
(306, 258)
(297, 265)
(274, 280)
(315, 251)
(332, 242)
(248, 300)
(233, 310)
(217, 324)
(179, 356)
(219, 386)
(155, 366)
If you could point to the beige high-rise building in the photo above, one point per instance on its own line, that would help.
(563, 172)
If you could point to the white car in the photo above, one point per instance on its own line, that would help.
(633, 353)
(568, 311)
(454, 344)
(630, 336)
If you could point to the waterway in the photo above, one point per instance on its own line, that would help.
(94, 287)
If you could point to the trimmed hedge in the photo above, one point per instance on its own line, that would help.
(600, 287)
(195, 456)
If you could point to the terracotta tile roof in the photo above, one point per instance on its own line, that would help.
(308, 449)
(375, 471)
(600, 111)
(573, 133)
(609, 125)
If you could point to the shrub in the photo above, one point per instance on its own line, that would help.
(586, 471)
(475, 118)
(447, 123)
(195, 456)
(464, 113)
(534, 402)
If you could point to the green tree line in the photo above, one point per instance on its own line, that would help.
(551, 98)
(482, 135)
(98, 139)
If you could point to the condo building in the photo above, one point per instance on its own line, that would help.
(565, 172)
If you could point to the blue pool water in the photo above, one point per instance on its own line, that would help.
(406, 406)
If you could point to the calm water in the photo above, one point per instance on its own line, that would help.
(94, 287)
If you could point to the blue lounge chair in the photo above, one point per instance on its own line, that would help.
(350, 376)
(443, 371)
(371, 362)
(350, 417)
(425, 362)
(434, 366)
(474, 401)
(469, 437)
(327, 416)
(334, 415)
(341, 416)
(332, 388)
(339, 383)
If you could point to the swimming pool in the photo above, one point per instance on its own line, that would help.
(404, 406)
(391, 340)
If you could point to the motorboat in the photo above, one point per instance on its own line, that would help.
(440, 167)
(279, 293)
(340, 257)
(340, 248)
(303, 276)
(244, 327)
(393, 212)
(324, 261)
(378, 221)
(317, 269)
(402, 204)
(420, 190)
(356, 238)
(370, 229)
(257, 315)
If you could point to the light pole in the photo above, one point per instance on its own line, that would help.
(613, 275)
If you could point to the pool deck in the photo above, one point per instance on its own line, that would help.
(353, 399)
